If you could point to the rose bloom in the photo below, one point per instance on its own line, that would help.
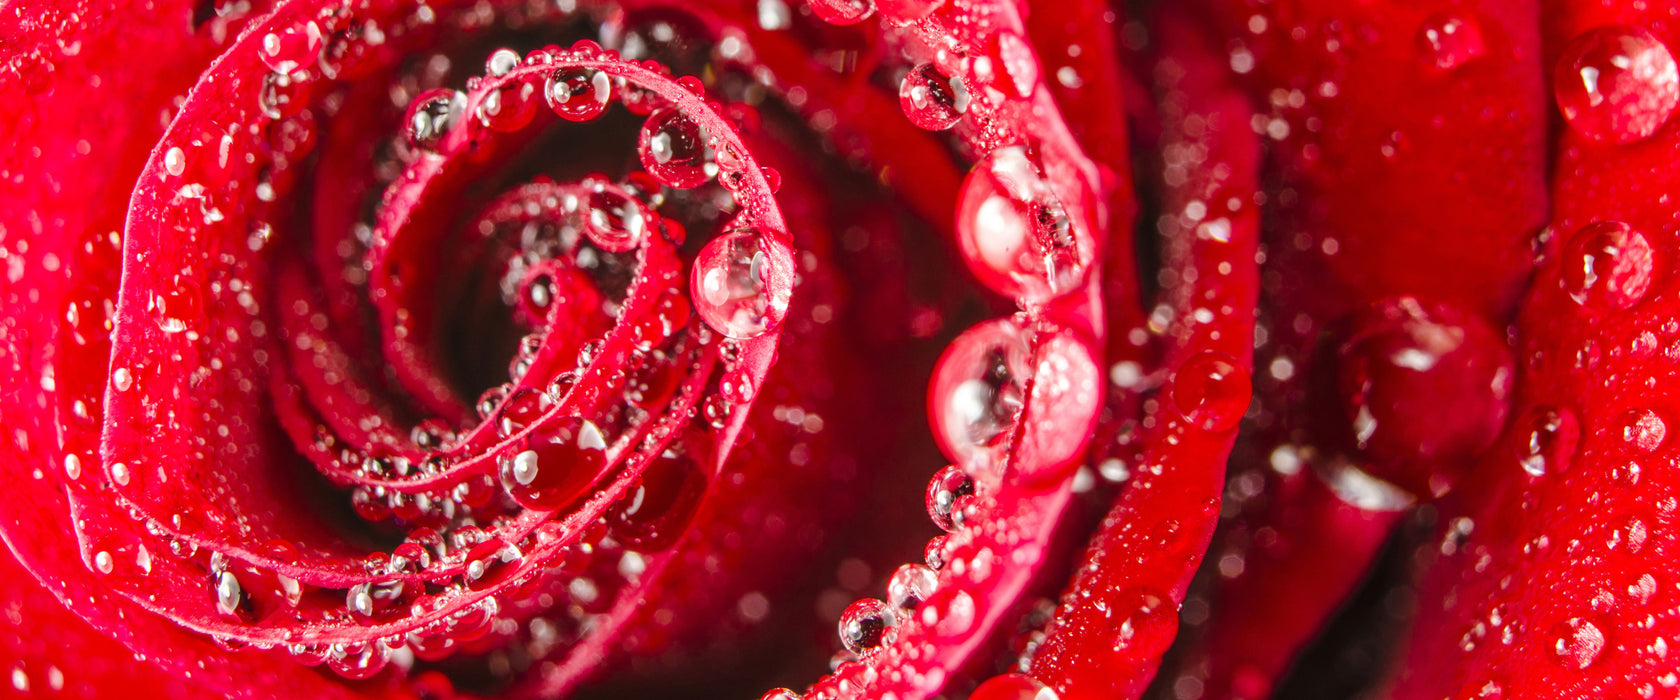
(788, 349)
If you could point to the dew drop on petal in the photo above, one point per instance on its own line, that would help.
(1448, 41)
(578, 94)
(742, 282)
(863, 626)
(910, 585)
(1013, 686)
(672, 148)
(1608, 265)
(614, 220)
(1211, 391)
(431, 116)
(1616, 84)
(978, 389)
(290, 48)
(558, 465)
(842, 12)
(1546, 440)
(931, 99)
(1014, 233)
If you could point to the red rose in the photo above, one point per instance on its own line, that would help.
(390, 348)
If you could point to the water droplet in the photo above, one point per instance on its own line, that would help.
(1642, 430)
(177, 307)
(119, 473)
(1549, 442)
(1608, 265)
(1013, 686)
(510, 107)
(673, 149)
(122, 379)
(978, 389)
(658, 508)
(358, 660)
(291, 48)
(431, 116)
(104, 562)
(615, 220)
(72, 466)
(864, 625)
(1616, 84)
(910, 585)
(951, 615)
(521, 410)
(1576, 643)
(558, 465)
(842, 12)
(1211, 391)
(932, 100)
(228, 594)
(1014, 233)
(742, 282)
(943, 492)
(907, 10)
(501, 62)
(1449, 41)
(175, 161)
(578, 94)
(1400, 363)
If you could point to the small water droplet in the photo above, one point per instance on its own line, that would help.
(742, 282)
(1642, 430)
(291, 47)
(578, 94)
(431, 116)
(501, 62)
(1449, 41)
(615, 221)
(931, 99)
(1616, 84)
(1549, 442)
(842, 12)
(1608, 265)
(1576, 643)
(910, 585)
(673, 149)
(943, 492)
(1211, 391)
(864, 625)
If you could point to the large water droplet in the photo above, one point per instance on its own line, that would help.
(742, 282)
(657, 509)
(673, 149)
(431, 116)
(358, 660)
(1014, 232)
(578, 94)
(1448, 41)
(1616, 84)
(510, 107)
(1608, 265)
(1401, 365)
(978, 389)
(842, 12)
(1211, 391)
(557, 466)
(1548, 439)
(1013, 686)
(931, 99)
(864, 625)
(291, 48)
